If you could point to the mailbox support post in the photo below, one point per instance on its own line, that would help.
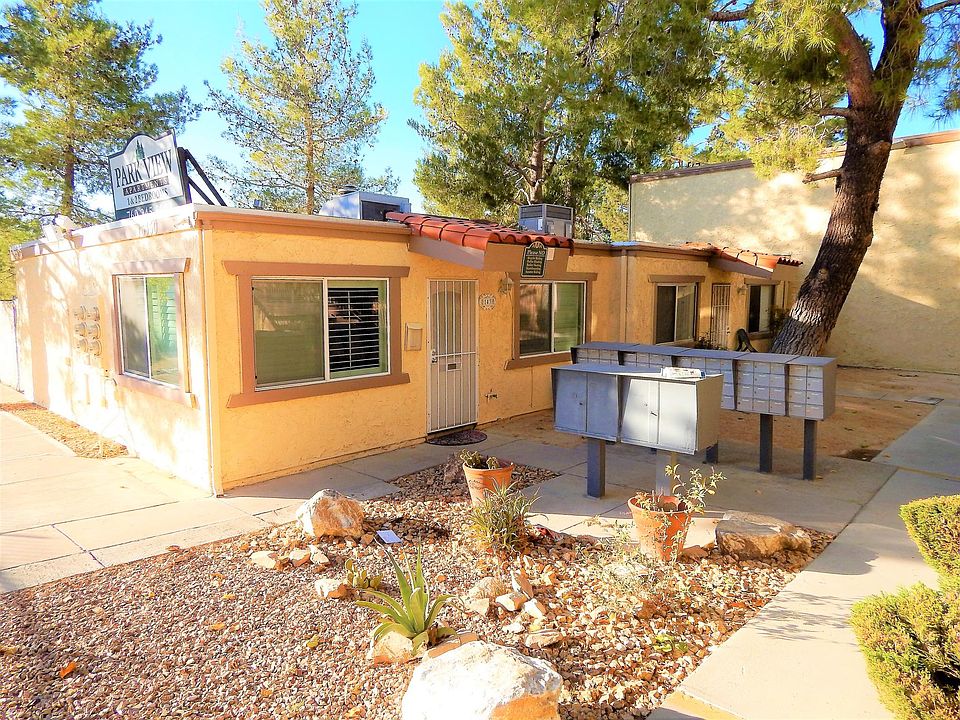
(766, 443)
(713, 454)
(596, 467)
(809, 449)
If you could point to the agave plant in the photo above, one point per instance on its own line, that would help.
(414, 615)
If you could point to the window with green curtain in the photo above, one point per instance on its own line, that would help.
(551, 316)
(313, 330)
(149, 335)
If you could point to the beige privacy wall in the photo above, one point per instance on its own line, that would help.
(904, 308)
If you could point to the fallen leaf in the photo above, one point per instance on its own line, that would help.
(266, 692)
(8, 649)
(174, 548)
(67, 669)
(313, 642)
(356, 712)
(235, 627)
(218, 626)
(229, 596)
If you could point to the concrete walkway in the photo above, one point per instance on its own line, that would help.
(798, 658)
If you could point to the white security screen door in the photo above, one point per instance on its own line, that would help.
(452, 346)
(719, 315)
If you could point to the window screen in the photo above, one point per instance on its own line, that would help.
(551, 317)
(149, 336)
(676, 313)
(312, 330)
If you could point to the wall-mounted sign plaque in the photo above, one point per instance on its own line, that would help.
(534, 263)
(146, 176)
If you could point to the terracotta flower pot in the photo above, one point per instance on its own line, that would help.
(660, 533)
(480, 480)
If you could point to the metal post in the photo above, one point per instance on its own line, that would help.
(766, 443)
(809, 449)
(713, 453)
(596, 467)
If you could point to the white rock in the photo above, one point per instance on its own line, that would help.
(317, 556)
(331, 588)
(332, 514)
(481, 606)
(512, 601)
(299, 556)
(521, 583)
(750, 536)
(543, 638)
(266, 559)
(535, 608)
(482, 681)
(391, 648)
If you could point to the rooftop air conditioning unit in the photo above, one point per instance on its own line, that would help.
(362, 205)
(547, 219)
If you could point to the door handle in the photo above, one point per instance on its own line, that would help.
(433, 357)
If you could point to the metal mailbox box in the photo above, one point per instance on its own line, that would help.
(716, 362)
(586, 400)
(655, 356)
(677, 414)
(811, 387)
(606, 353)
(761, 383)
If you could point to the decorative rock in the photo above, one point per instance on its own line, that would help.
(451, 644)
(317, 556)
(482, 681)
(330, 513)
(481, 606)
(515, 627)
(521, 583)
(535, 608)
(331, 588)
(750, 536)
(543, 638)
(391, 648)
(299, 556)
(512, 601)
(266, 559)
(694, 552)
(366, 539)
(490, 588)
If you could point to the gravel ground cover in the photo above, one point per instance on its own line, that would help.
(83, 442)
(202, 633)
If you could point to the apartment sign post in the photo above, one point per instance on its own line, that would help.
(147, 176)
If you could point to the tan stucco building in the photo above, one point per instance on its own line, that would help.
(904, 308)
(229, 346)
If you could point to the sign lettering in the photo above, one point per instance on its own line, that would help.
(146, 176)
(534, 263)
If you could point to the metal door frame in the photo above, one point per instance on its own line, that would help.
(475, 351)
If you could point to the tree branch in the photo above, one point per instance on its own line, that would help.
(724, 15)
(858, 69)
(937, 7)
(846, 112)
(815, 177)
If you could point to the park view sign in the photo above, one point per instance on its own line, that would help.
(146, 176)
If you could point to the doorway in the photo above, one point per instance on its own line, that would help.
(452, 356)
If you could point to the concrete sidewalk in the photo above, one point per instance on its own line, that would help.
(798, 658)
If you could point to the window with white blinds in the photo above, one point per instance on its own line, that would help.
(313, 330)
(149, 336)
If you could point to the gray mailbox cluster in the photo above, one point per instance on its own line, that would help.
(762, 383)
(607, 402)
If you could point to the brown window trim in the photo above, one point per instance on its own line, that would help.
(524, 361)
(676, 279)
(170, 266)
(246, 271)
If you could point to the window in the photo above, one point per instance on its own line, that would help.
(149, 336)
(761, 306)
(310, 330)
(551, 316)
(676, 313)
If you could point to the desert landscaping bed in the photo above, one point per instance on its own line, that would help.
(205, 633)
(82, 441)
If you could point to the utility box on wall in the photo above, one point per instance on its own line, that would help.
(639, 407)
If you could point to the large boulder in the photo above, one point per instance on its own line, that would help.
(332, 514)
(753, 537)
(483, 681)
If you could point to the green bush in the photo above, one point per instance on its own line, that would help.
(911, 641)
(500, 521)
(934, 525)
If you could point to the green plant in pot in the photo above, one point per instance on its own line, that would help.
(662, 520)
(484, 473)
(414, 614)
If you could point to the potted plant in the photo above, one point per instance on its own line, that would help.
(484, 473)
(662, 520)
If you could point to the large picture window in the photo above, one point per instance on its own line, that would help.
(309, 330)
(676, 319)
(149, 335)
(760, 308)
(551, 316)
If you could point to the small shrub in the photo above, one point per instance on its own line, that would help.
(499, 522)
(414, 615)
(475, 460)
(359, 578)
(934, 525)
(911, 641)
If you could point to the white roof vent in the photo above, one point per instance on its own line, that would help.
(547, 219)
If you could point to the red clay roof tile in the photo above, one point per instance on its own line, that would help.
(473, 233)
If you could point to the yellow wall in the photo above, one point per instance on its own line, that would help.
(77, 385)
(269, 439)
(901, 311)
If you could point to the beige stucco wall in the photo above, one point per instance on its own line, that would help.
(902, 310)
(263, 440)
(171, 435)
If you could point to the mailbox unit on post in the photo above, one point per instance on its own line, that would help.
(811, 387)
(586, 400)
(679, 415)
(605, 353)
(651, 356)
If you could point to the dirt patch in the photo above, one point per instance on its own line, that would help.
(204, 633)
(83, 442)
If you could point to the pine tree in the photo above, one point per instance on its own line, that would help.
(299, 108)
(81, 84)
(517, 112)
